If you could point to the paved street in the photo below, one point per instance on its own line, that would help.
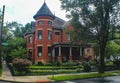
(114, 79)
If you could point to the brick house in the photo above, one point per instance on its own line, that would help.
(47, 39)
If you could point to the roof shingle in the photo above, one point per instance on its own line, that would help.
(44, 11)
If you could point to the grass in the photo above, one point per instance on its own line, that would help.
(55, 67)
(80, 76)
(0, 71)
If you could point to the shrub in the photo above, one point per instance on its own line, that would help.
(21, 65)
(57, 63)
(79, 69)
(40, 63)
(69, 63)
(48, 64)
(117, 63)
(87, 66)
(109, 63)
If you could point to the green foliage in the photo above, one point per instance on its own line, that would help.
(13, 33)
(109, 63)
(69, 63)
(43, 70)
(87, 66)
(17, 29)
(15, 48)
(47, 72)
(117, 63)
(95, 21)
(79, 70)
(117, 41)
(48, 64)
(18, 53)
(51, 67)
(112, 49)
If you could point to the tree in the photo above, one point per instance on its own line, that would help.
(15, 48)
(17, 30)
(13, 34)
(97, 20)
(112, 49)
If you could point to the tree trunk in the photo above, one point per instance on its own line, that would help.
(101, 59)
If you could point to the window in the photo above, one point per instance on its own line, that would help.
(30, 53)
(39, 50)
(49, 34)
(30, 39)
(57, 33)
(39, 22)
(49, 51)
(68, 37)
(40, 34)
(49, 23)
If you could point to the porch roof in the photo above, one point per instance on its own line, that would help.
(68, 44)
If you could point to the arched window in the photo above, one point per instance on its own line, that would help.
(49, 23)
(40, 22)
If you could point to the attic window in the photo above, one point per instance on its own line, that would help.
(39, 22)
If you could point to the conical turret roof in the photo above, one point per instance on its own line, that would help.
(44, 11)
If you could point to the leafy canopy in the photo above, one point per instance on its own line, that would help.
(96, 19)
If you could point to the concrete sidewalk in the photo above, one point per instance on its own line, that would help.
(7, 76)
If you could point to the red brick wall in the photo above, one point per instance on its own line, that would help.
(44, 42)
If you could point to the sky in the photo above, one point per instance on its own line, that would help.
(23, 11)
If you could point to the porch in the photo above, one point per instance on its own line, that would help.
(64, 52)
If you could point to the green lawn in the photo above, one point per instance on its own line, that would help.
(82, 76)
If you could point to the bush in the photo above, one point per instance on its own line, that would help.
(69, 63)
(109, 63)
(87, 66)
(79, 69)
(57, 63)
(48, 64)
(117, 63)
(21, 65)
(40, 63)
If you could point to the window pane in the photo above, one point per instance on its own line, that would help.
(40, 34)
(39, 22)
(39, 51)
(30, 39)
(57, 33)
(68, 37)
(49, 23)
(49, 34)
(49, 51)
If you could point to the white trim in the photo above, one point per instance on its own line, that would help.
(39, 45)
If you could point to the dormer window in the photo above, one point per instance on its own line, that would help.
(40, 22)
(49, 23)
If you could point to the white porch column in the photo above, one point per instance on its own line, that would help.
(80, 51)
(53, 52)
(59, 50)
(70, 51)
(70, 57)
